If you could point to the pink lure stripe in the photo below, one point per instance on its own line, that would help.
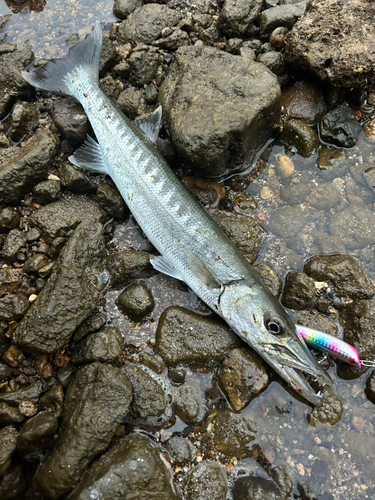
(332, 345)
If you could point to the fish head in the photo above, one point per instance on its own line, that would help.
(259, 319)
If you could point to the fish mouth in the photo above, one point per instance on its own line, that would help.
(289, 360)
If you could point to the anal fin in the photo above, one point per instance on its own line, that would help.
(89, 156)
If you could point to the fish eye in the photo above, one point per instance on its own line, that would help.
(274, 326)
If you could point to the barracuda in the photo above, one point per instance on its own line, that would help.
(192, 247)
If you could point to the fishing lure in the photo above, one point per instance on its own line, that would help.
(333, 346)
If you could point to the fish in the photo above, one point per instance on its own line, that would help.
(191, 245)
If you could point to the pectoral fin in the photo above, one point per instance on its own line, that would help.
(89, 156)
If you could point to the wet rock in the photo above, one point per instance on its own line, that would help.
(53, 400)
(13, 484)
(74, 180)
(288, 221)
(284, 166)
(92, 324)
(243, 376)
(13, 244)
(9, 415)
(370, 387)
(299, 135)
(136, 301)
(143, 66)
(245, 232)
(274, 61)
(232, 433)
(28, 393)
(131, 102)
(64, 375)
(37, 435)
(8, 441)
(151, 94)
(122, 8)
(11, 81)
(109, 54)
(13, 356)
(304, 100)
(340, 127)
(10, 280)
(146, 23)
(270, 278)
(299, 291)
(232, 105)
(295, 194)
(176, 39)
(104, 346)
(111, 87)
(27, 166)
(127, 265)
(234, 46)
(70, 120)
(236, 16)
(206, 481)
(13, 307)
(24, 119)
(278, 38)
(353, 226)
(280, 16)
(188, 400)
(358, 322)
(9, 219)
(181, 450)
(180, 332)
(331, 410)
(95, 403)
(47, 191)
(150, 404)
(69, 295)
(177, 375)
(344, 274)
(153, 362)
(325, 196)
(324, 42)
(330, 157)
(255, 488)
(59, 219)
(369, 129)
(5, 372)
(35, 263)
(317, 322)
(111, 201)
(134, 467)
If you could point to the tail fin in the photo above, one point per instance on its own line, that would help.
(60, 75)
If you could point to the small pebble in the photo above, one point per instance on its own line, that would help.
(27, 408)
(33, 298)
(13, 356)
(284, 166)
(266, 193)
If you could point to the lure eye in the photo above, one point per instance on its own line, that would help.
(274, 326)
(352, 361)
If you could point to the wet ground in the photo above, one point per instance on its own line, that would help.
(337, 459)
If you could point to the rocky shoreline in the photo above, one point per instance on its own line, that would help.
(114, 381)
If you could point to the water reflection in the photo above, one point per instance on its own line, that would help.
(47, 24)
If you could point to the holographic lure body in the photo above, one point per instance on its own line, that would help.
(330, 344)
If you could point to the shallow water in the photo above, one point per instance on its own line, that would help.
(331, 459)
(47, 25)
